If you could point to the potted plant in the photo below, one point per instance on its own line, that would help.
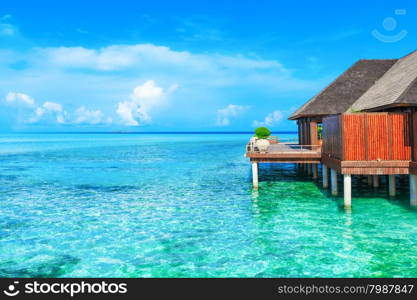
(262, 142)
(320, 134)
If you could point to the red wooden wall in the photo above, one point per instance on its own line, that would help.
(376, 136)
(353, 129)
(368, 136)
(401, 136)
(414, 135)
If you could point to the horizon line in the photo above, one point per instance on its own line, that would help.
(143, 132)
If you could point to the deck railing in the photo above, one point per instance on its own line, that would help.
(275, 139)
(288, 140)
(296, 147)
(287, 147)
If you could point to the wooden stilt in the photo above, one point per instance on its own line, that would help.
(315, 170)
(325, 171)
(333, 181)
(413, 190)
(309, 170)
(255, 175)
(347, 190)
(369, 180)
(375, 181)
(391, 185)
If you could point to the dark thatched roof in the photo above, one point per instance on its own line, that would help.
(339, 96)
(398, 86)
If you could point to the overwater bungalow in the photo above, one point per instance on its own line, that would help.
(368, 117)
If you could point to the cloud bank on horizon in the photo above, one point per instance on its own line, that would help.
(140, 86)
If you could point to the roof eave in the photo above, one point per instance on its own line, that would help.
(388, 106)
(293, 118)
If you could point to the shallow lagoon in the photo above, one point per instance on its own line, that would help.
(117, 205)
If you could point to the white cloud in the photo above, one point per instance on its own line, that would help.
(52, 112)
(125, 111)
(49, 112)
(142, 102)
(112, 58)
(196, 71)
(7, 29)
(271, 119)
(86, 116)
(19, 99)
(37, 115)
(102, 79)
(74, 57)
(231, 111)
(52, 106)
(122, 57)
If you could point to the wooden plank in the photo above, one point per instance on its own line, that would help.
(400, 136)
(332, 136)
(375, 171)
(377, 136)
(283, 155)
(390, 137)
(367, 167)
(376, 164)
(341, 142)
(354, 137)
(414, 135)
(313, 133)
(365, 137)
(290, 161)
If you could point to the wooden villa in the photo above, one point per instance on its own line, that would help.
(369, 123)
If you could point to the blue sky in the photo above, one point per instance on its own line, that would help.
(183, 65)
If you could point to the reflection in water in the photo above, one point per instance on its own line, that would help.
(347, 233)
(255, 195)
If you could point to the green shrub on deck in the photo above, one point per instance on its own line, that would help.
(262, 132)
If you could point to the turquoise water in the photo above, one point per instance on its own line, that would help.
(114, 205)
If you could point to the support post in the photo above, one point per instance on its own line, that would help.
(325, 171)
(413, 190)
(375, 181)
(333, 175)
(255, 175)
(309, 171)
(347, 190)
(391, 184)
(314, 140)
(315, 170)
(369, 180)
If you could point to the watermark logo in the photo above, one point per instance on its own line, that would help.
(390, 24)
(68, 288)
(11, 290)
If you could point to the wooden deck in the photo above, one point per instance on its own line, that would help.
(286, 153)
(357, 167)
